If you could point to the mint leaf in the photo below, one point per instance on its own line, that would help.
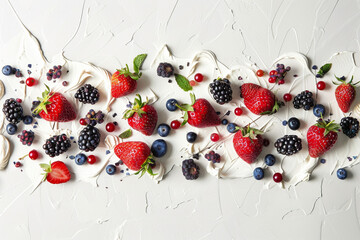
(183, 82)
(324, 69)
(138, 61)
(126, 134)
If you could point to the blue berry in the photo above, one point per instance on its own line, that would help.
(11, 129)
(232, 128)
(171, 104)
(7, 70)
(284, 122)
(191, 137)
(159, 148)
(80, 159)
(343, 78)
(270, 159)
(318, 76)
(110, 169)
(224, 122)
(341, 173)
(294, 123)
(258, 173)
(163, 130)
(319, 110)
(314, 67)
(28, 119)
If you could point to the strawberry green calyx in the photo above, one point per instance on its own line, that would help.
(329, 126)
(146, 167)
(250, 132)
(137, 105)
(276, 107)
(44, 100)
(187, 107)
(138, 61)
(46, 168)
(344, 81)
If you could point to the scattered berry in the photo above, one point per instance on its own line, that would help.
(17, 164)
(260, 73)
(224, 122)
(221, 91)
(80, 159)
(91, 159)
(213, 157)
(190, 170)
(214, 137)
(54, 73)
(33, 154)
(82, 121)
(341, 173)
(284, 123)
(89, 138)
(288, 145)
(314, 67)
(272, 79)
(277, 177)
(270, 159)
(12, 110)
(287, 97)
(266, 142)
(192, 83)
(30, 82)
(304, 100)
(88, 94)
(19, 100)
(28, 119)
(92, 118)
(258, 173)
(273, 73)
(110, 127)
(238, 111)
(163, 130)
(321, 85)
(199, 77)
(175, 124)
(319, 110)
(159, 148)
(57, 145)
(232, 128)
(7, 70)
(279, 74)
(110, 169)
(18, 73)
(171, 104)
(349, 126)
(294, 123)
(26, 137)
(165, 70)
(11, 128)
(191, 137)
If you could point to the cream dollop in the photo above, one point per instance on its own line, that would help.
(4, 152)
(2, 89)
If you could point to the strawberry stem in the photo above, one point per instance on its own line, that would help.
(187, 108)
(329, 126)
(137, 105)
(44, 100)
(146, 167)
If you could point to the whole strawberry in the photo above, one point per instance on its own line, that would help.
(142, 117)
(124, 82)
(55, 172)
(248, 144)
(136, 156)
(200, 113)
(259, 100)
(54, 107)
(321, 137)
(345, 94)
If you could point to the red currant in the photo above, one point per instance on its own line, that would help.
(18, 164)
(287, 97)
(214, 137)
(321, 85)
(33, 155)
(199, 77)
(91, 159)
(30, 82)
(260, 73)
(273, 73)
(82, 121)
(192, 83)
(19, 100)
(281, 81)
(238, 111)
(110, 127)
(272, 79)
(175, 124)
(277, 177)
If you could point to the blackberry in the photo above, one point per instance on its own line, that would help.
(288, 145)
(13, 111)
(165, 70)
(89, 138)
(87, 94)
(34, 105)
(349, 126)
(213, 157)
(304, 100)
(221, 90)
(26, 137)
(190, 170)
(57, 145)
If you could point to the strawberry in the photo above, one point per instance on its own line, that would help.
(321, 137)
(54, 107)
(123, 82)
(259, 100)
(142, 117)
(345, 94)
(248, 144)
(200, 113)
(136, 156)
(55, 172)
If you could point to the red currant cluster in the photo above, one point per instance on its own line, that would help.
(279, 74)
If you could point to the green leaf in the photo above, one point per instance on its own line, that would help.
(138, 61)
(44, 165)
(126, 134)
(183, 82)
(186, 117)
(193, 98)
(324, 69)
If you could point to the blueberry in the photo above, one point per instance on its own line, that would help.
(314, 67)
(319, 110)
(11, 129)
(28, 119)
(7, 70)
(284, 123)
(258, 173)
(270, 159)
(341, 173)
(163, 130)
(318, 76)
(191, 137)
(224, 122)
(171, 104)
(294, 123)
(110, 169)
(232, 128)
(80, 159)
(159, 148)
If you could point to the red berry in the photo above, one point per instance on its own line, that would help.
(287, 97)
(18, 164)
(91, 159)
(33, 154)
(199, 77)
(277, 177)
(82, 121)
(238, 111)
(272, 79)
(110, 127)
(175, 124)
(272, 73)
(30, 82)
(266, 142)
(321, 85)
(192, 83)
(19, 100)
(260, 73)
(282, 81)
(214, 137)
